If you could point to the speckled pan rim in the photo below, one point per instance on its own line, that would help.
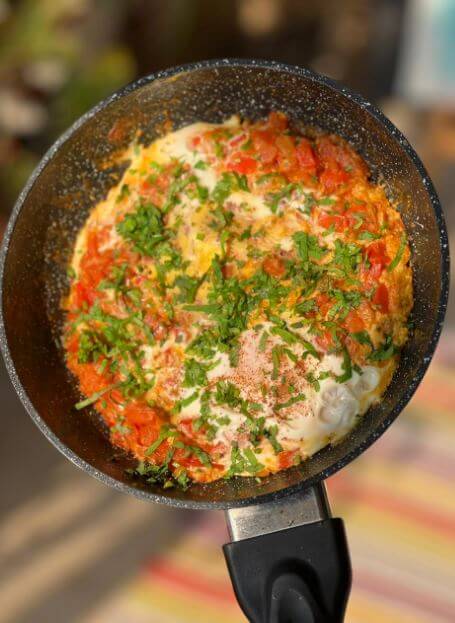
(407, 394)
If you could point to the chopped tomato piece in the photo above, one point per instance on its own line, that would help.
(186, 426)
(325, 341)
(83, 295)
(264, 145)
(287, 158)
(228, 270)
(306, 157)
(353, 322)
(146, 434)
(72, 343)
(277, 121)
(335, 153)
(376, 253)
(274, 266)
(95, 267)
(332, 177)
(237, 139)
(242, 164)
(369, 276)
(335, 220)
(324, 303)
(381, 298)
(376, 270)
(194, 141)
(287, 458)
(140, 413)
(186, 459)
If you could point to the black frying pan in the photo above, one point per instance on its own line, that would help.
(288, 559)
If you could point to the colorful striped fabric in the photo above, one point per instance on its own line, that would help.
(398, 502)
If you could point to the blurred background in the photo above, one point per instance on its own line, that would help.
(70, 549)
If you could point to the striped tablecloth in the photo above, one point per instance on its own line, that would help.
(398, 502)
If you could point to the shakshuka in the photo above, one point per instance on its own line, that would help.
(238, 300)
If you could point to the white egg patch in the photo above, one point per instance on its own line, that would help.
(324, 412)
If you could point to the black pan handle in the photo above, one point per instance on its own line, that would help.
(299, 574)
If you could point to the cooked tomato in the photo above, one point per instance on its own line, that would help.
(381, 298)
(335, 154)
(274, 266)
(306, 157)
(337, 221)
(324, 303)
(72, 343)
(287, 458)
(325, 341)
(83, 295)
(195, 141)
(186, 426)
(186, 459)
(242, 164)
(376, 253)
(332, 177)
(287, 158)
(264, 145)
(141, 413)
(277, 121)
(353, 322)
(236, 140)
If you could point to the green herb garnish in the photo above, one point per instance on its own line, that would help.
(290, 402)
(346, 366)
(396, 260)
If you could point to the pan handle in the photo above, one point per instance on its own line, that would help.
(289, 560)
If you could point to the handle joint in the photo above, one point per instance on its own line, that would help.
(297, 509)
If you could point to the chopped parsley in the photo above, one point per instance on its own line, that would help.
(346, 366)
(161, 474)
(274, 199)
(246, 462)
(290, 402)
(308, 247)
(165, 433)
(347, 258)
(397, 259)
(277, 351)
(326, 201)
(143, 228)
(363, 337)
(386, 351)
(188, 287)
(94, 397)
(305, 306)
(271, 434)
(229, 183)
(195, 373)
(368, 235)
(268, 177)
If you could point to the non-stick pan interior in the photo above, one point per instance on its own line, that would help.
(81, 167)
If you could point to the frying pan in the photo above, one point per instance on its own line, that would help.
(288, 559)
